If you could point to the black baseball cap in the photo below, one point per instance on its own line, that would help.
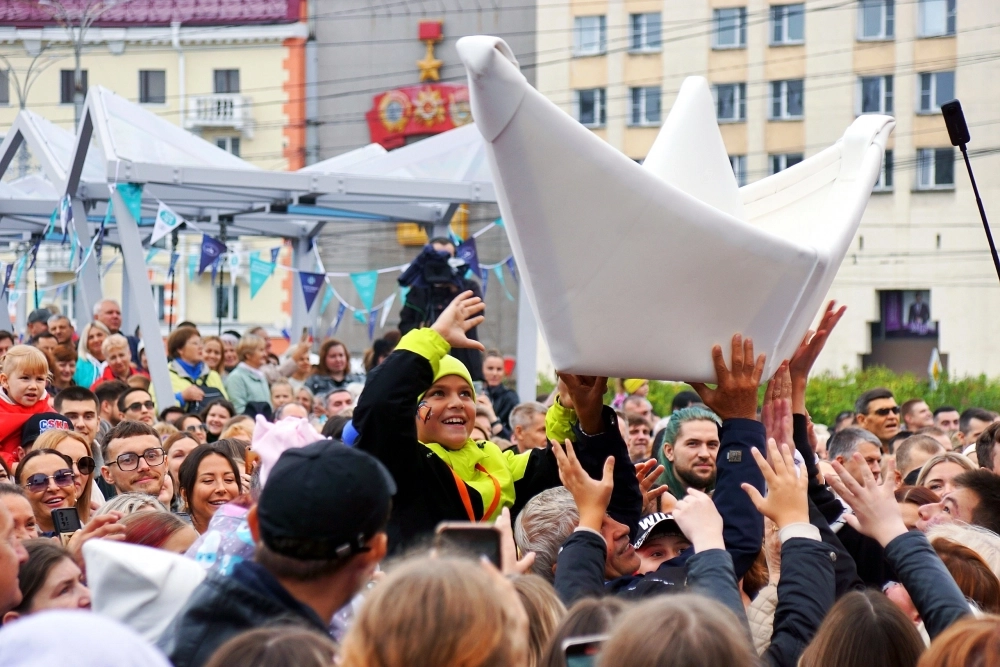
(658, 523)
(324, 501)
(39, 315)
(40, 423)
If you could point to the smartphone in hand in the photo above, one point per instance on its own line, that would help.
(582, 651)
(66, 521)
(475, 539)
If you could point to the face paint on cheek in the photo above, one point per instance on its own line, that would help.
(424, 411)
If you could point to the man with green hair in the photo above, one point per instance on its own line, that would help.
(690, 445)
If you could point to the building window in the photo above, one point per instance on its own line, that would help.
(591, 107)
(786, 99)
(66, 87)
(230, 144)
(884, 183)
(730, 102)
(783, 161)
(875, 94)
(729, 28)
(788, 25)
(4, 86)
(227, 80)
(936, 88)
(590, 35)
(644, 32)
(152, 86)
(227, 301)
(876, 19)
(935, 18)
(160, 298)
(935, 168)
(739, 164)
(645, 106)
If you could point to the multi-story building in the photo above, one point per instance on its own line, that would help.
(233, 73)
(788, 79)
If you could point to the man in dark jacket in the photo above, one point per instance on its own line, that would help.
(319, 530)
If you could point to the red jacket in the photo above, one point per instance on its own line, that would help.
(107, 375)
(12, 418)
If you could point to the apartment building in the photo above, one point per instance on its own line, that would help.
(788, 79)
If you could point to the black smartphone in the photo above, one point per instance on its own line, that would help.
(582, 651)
(66, 521)
(183, 516)
(474, 538)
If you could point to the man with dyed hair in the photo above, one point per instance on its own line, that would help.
(690, 445)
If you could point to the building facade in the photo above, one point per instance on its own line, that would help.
(233, 74)
(788, 79)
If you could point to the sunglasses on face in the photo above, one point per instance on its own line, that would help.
(149, 405)
(86, 465)
(194, 427)
(40, 481)
(130, 461)
(883, 412)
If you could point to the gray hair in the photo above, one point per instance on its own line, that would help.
(543, 525)
(97, 306)
(524, 414)
(115, 341)
(845, 442)
(130, 503)
(55, 318)
(640, 400)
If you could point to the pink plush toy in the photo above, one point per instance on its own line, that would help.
(270, 440)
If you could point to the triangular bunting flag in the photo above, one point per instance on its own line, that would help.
(174, 256)
(6, 279)
(327, 298)
(65, 214)
(484, 275)
(361, 316)
(341, 309)
(386, 307)
(192, 267)
(366, 282)
(215, 268)
(260, 271)
(211, 251)
(153, 252)
(498, 272)
(512, 267)
(274, 254)
(311, 284)
(467, 253)
(132, 196)
(372, 318)
(166, 222)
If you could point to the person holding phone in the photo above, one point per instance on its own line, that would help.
(74, 445)
(417, 414)
(47, 476)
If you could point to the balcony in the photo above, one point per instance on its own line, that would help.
(221, 110)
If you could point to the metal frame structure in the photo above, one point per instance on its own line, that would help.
(120, 142)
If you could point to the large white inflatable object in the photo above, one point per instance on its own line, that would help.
(636, 271)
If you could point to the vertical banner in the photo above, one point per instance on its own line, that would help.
(166, 222)
(341, 309)
(260, 271)
(311, 284)
(211, 251)
(365, 283)
(467, 253)
(132, 196)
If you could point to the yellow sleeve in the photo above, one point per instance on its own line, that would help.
(559, 422)
(427, 343)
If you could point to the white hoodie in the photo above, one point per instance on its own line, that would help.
(142, 587)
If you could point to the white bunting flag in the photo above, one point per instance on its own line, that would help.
(166, 222)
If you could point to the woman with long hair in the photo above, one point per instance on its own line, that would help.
(64, 367)
(75, 446)
(90, 362)
(333, 370)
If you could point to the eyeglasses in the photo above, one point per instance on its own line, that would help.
(130, 461)
(194, 427)
(39, 481)
(86, 465)
(882, 412)
(149, 405)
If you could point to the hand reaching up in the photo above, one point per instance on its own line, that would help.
(776, 411)
(461, 315)
(786, 502)
(647, 473)
(735, 395)
(587, 398)
(699, 520)
(876, 512)
(591, 495)
(805, 356)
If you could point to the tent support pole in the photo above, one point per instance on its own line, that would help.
(302, 261)
(527, 347)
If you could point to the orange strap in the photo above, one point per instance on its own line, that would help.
(464, 493)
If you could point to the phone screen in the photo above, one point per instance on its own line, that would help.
(478, 386)
(582, 651)
(476, 540)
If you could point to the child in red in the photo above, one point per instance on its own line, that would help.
(23, 374)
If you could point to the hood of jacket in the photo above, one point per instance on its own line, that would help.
(138, 586)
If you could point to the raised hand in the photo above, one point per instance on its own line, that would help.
(735, 395)
(876, 512)
(592, 496)
(786, 502)
(461, 315)
(509, 563)
(699, 520)
(104, 526)
(776, 412)
(647, 473)
(805, 356)
(587, 398)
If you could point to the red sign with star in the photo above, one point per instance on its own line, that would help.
(417, 110)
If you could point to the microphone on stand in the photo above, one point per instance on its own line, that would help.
(958, 132)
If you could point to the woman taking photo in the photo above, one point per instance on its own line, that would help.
(333, 370)
(74, 445)
(90, 356)
(48, 478)
(65, 357)
(215, 415)
(247, 383)
(208, 479)
(49, 579)
(193, 382)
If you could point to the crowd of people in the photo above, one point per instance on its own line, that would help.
(287, 510)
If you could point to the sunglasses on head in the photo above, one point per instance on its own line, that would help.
(39, 481)
(882, 412)
(149, 405)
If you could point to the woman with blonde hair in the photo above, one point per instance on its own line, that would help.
(939, 471)
(247, 382)
(90, 362)
(75, 446)
(469, 616)
(213, 352)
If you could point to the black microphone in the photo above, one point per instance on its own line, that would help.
(958, 133)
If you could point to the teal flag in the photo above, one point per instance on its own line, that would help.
(498, 272)
(151, 254)
(192, 266)
(361, 316)
(327, 298)
(132, 196)
(403, 291)
(260, 271)
(365, 283)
